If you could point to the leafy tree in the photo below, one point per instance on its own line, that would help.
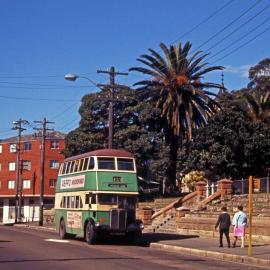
(136, 128)
(229, 146)
(176, 87)
(192, 178)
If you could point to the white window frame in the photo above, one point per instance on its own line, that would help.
(12, 147)
(54, 164)
(52, 181)
(55, 144)
(27, 143)
(26, 165)
(12, 166)
(1, 148)
(26, 184)
(11, 184)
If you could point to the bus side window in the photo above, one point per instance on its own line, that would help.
(72, 166)
(85, 164)
(68, 167)
(94, 199)
(81, 165)
(78, 203)
(72, 202)
(68, 201)
(87, 197)
(64, 168)
(62, 203)
(76, 165)
(91, 164)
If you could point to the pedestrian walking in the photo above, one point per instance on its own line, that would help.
(239, 222)
(224, 223)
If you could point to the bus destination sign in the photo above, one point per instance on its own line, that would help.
(72, 182)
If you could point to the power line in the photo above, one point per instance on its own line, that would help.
(65, 110)
(244, 44)
(229, 24)
(35, 76)
(222, 30)
(204, 20)
(38, 99)
(239, 39)
(239, 27)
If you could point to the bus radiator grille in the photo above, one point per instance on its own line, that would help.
(118, 219)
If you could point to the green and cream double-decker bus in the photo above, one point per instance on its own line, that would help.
(96, 195)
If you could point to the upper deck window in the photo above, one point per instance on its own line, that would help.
(125, 164)
(106, 163)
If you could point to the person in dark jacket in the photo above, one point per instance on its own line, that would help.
(224, 223)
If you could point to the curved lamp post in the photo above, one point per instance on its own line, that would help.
(74, 77)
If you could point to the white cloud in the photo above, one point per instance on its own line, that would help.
(241, 70)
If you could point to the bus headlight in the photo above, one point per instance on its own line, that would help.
(97, 224)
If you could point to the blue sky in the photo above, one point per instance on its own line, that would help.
(41, 41)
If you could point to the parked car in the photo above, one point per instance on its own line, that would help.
(148, 189)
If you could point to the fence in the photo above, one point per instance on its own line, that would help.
(260, 185)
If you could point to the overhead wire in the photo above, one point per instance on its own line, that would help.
(239, 27)
(222, 30)
(244, 44)
(239, 39)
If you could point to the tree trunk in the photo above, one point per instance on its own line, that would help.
(171, 171)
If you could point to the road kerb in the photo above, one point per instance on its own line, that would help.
(213, 254)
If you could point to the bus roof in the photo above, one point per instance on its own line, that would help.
(103, 153)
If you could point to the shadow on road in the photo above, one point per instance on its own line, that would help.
(144, 241)
(156, 237)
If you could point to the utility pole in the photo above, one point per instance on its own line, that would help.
(112, 86)
(43, 131)
(250, 210)
(18, 199)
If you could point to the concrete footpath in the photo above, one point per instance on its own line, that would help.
(198, 246)
(209, 247)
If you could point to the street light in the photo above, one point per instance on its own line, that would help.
(111, 87)
(71, 77)
(74, 77)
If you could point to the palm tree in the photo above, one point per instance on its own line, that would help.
(256, 105)
(175, 84)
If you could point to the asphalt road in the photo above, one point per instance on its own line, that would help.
(22, 248)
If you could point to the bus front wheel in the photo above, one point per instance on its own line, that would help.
(62, 229)
(90, 234)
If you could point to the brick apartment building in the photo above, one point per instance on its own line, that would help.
(30, 170)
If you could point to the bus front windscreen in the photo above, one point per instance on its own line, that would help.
(127, 202)
(125, 164)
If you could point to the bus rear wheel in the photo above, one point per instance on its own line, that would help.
(62, 229)
(90, 234)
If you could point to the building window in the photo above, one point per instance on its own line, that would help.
(11, 184)
(54, 164)
(12, 148)
(26, 184)
(1, 148)
(52, 183)
(11, 166)
(0, 167)
(55, 144)
(27, 146)
(0, 184)
(26, 165)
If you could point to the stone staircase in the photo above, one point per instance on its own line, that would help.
(157, 204)
(202, 222)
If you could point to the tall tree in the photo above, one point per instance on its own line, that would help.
(176, 86)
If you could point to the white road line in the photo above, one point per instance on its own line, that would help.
(56, 240)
